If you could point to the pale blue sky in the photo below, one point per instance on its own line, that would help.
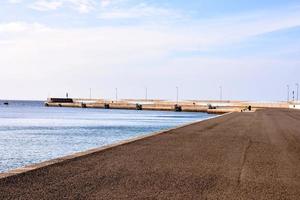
(48, 47)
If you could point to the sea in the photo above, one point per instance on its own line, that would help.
(31, 133)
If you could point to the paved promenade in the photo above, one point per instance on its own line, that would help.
(238, 156)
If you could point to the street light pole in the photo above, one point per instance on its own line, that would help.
(293, 95)
(177, 91)
(116, 94)
(221, 93)
(90, 93)
(146, 97)
(297, 85)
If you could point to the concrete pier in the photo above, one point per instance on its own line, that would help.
(215, 107)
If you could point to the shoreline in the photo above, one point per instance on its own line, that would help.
(54, 161)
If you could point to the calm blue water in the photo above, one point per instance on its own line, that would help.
(31, 133)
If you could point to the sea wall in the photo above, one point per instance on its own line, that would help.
(209, 106)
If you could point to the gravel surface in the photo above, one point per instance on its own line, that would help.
(238, 156)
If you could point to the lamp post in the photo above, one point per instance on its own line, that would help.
(177, 91)
(90, 93)
(297, 85)
(116, 94)
(293, 95)
(146, 94)
(221, 93)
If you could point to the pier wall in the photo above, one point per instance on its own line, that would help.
(215, 107)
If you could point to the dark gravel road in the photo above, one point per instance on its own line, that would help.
(238, 156)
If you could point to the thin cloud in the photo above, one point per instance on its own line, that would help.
(82, 6)
(21, 27)
(44, 5)
(197, 35)
(138, 11)
(105, 3)
(15, 1)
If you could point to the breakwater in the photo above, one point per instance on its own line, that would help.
(208, 106)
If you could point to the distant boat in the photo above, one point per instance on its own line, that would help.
(6, 103)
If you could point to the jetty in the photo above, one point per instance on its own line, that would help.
(249, 155)
(208, 106)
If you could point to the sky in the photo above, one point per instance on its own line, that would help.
(249, 48)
